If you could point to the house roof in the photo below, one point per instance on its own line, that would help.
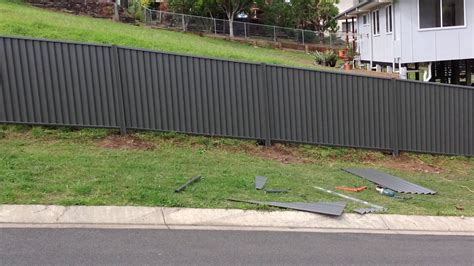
(362, 8)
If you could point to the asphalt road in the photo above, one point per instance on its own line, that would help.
(163, 247)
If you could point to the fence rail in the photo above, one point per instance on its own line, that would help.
(57, 83)
(245, 30)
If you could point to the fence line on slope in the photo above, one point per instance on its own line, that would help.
(55, 83)
(245, 30)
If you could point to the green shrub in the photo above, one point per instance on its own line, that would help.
(330, 58)
(326, 58)
(318, 58)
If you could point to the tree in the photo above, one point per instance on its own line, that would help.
(314, 15)
(183, 6)
(324, 17)
(231, 9)
(279, 13)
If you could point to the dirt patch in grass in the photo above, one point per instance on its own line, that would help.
(129, 142)
(407, 163)
(278, 152)
(288, 154)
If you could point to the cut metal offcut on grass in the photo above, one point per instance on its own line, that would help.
(260, 182)
(389, 181)
(190, 181)
(366, 210)
(327, 208)
(379, 208)
(272, 190)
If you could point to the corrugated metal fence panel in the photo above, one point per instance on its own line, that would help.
(71, 84)
(178, 93)
(436, 118)
(54, 83)
(329, 108)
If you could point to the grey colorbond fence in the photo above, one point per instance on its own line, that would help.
(71, 84)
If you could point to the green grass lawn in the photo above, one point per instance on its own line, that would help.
(21, 19)
(46, 166)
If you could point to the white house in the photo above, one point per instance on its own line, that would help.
(399, 33)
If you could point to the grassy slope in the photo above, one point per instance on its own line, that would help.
(21, 19)
(63, 167)
(68, 168)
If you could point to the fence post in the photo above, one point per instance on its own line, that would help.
(183, 22)
(215, 26)
(161, 13)
(117, 80)
(395, 116)
(274, 34)
(245, 29)
(302, 34)
(266, 102)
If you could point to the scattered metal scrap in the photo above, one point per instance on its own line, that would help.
(190, 181)
(271, 190)
(365, 210)
(389, 181)
(328, 208)
(377, 207)
(352, 189)
(260, 182)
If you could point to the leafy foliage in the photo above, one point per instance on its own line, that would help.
(314, 15)
(327, 58)
(146, 3)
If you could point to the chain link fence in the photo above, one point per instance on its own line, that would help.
(244, 30)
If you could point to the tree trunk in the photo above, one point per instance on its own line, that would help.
(231, 26)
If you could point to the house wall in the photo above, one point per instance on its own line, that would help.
(364, 38)
(382, 43)
(413, 45)
(434, 45)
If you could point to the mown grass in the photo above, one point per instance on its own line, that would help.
(69, 167)
(19, 19)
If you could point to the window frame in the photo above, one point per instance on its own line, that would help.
(441, 27)
(389, 22)
(365, 20)
(376, 26)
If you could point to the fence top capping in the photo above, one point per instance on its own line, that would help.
(464, 87)
(230, 60)
(26, 38)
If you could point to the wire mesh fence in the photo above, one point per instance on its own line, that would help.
(244, 30)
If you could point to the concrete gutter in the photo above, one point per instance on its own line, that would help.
(113, 217)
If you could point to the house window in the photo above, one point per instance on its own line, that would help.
(453, 13)
(388, 19)
(364, 20)
(376, 22)
(441, 13)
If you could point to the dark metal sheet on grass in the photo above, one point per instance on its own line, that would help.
(260, 182)
(273, 190)
(389, 181)
(190, 181)
(328, 208)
